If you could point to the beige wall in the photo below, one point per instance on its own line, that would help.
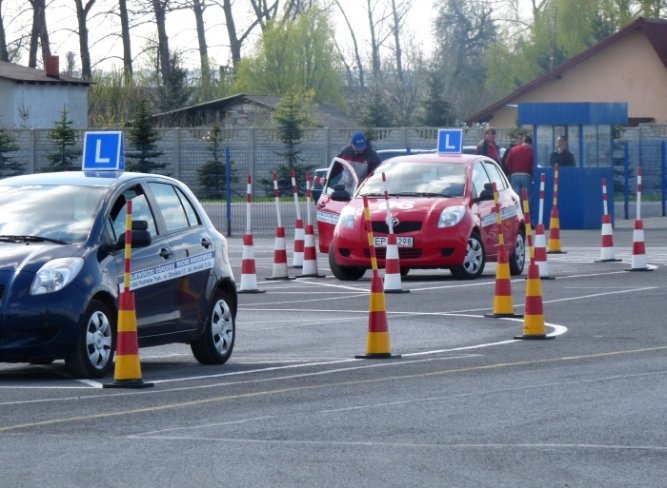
(629, 71)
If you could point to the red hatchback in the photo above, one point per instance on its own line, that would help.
(442, 211)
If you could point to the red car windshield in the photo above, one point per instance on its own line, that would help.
(417, 179)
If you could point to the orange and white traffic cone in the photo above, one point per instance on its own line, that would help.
(248, 271)
(607, 251)
(392, 268)
(127, 369)
(309, 268)
(378, 346)
(553, 246)
(502, 299)
(638, 261)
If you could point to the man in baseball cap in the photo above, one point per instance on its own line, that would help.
(361, 155)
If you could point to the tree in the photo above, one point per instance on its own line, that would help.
(127, 41)
(142, 136)
(39, 34)
(213, 173)
(464, 30)
(292, 116)
(295, 56)
(8, 165)
(63, 138)
(174, 91)
(82, 11)
(112, 101)
(438, 112)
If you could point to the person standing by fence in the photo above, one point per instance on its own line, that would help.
(520, 167)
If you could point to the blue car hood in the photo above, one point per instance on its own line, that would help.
(31, 256)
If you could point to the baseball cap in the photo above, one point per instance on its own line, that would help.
(358, 141)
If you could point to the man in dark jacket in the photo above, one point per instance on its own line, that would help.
(360, 155)
(562, 155)
(487, 146)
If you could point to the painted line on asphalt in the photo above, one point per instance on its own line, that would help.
(320, 386)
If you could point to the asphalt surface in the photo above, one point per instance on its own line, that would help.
(466, 404)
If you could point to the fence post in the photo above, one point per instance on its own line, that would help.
(626, 178)
(179, 158)
(228, 187)
(327, 146)
(663, 168)
(33, 160)
(251, 153)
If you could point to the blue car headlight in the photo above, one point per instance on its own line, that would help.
(55, 275)
(451, 216)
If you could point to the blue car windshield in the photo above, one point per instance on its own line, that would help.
(56, 212)
(417, 179)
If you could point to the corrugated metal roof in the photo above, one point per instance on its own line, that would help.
(655, 31)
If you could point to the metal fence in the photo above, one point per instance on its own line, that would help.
(256, 151)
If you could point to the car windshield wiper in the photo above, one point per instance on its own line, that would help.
(371, 194)
(417, 194)
(31, 239)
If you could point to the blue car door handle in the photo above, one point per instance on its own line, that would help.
(166, 253)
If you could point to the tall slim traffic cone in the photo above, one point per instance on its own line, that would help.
(607, 251)
(533, 319)
(127, 368)
(299, 234)
(638, 261)
(553, 246)
(502, 299)
(392, 266)
(279, 249)
(248, 271)
(540, 240)
(309, 268)
(378, 346)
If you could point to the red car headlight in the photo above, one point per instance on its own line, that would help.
(451, 216)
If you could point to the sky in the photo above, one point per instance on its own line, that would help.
(105, 43)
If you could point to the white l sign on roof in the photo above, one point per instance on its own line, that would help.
(103, 151)
(450, 141)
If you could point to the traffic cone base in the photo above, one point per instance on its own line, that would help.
(556, 252)
(534, 337)
(127, 368)
(378, 330)
(613, 260)
(503, 306)
(392, 270)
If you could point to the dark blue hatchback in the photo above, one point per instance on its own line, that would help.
(62, 263)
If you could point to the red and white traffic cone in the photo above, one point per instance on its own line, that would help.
(607, 251)
(392, 268)
(540, 240)
(638, 262)
(279, 249)
(392, 265)
(309, 269)
(299, 235)
(248, 271)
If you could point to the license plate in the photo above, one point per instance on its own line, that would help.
(400, 241)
